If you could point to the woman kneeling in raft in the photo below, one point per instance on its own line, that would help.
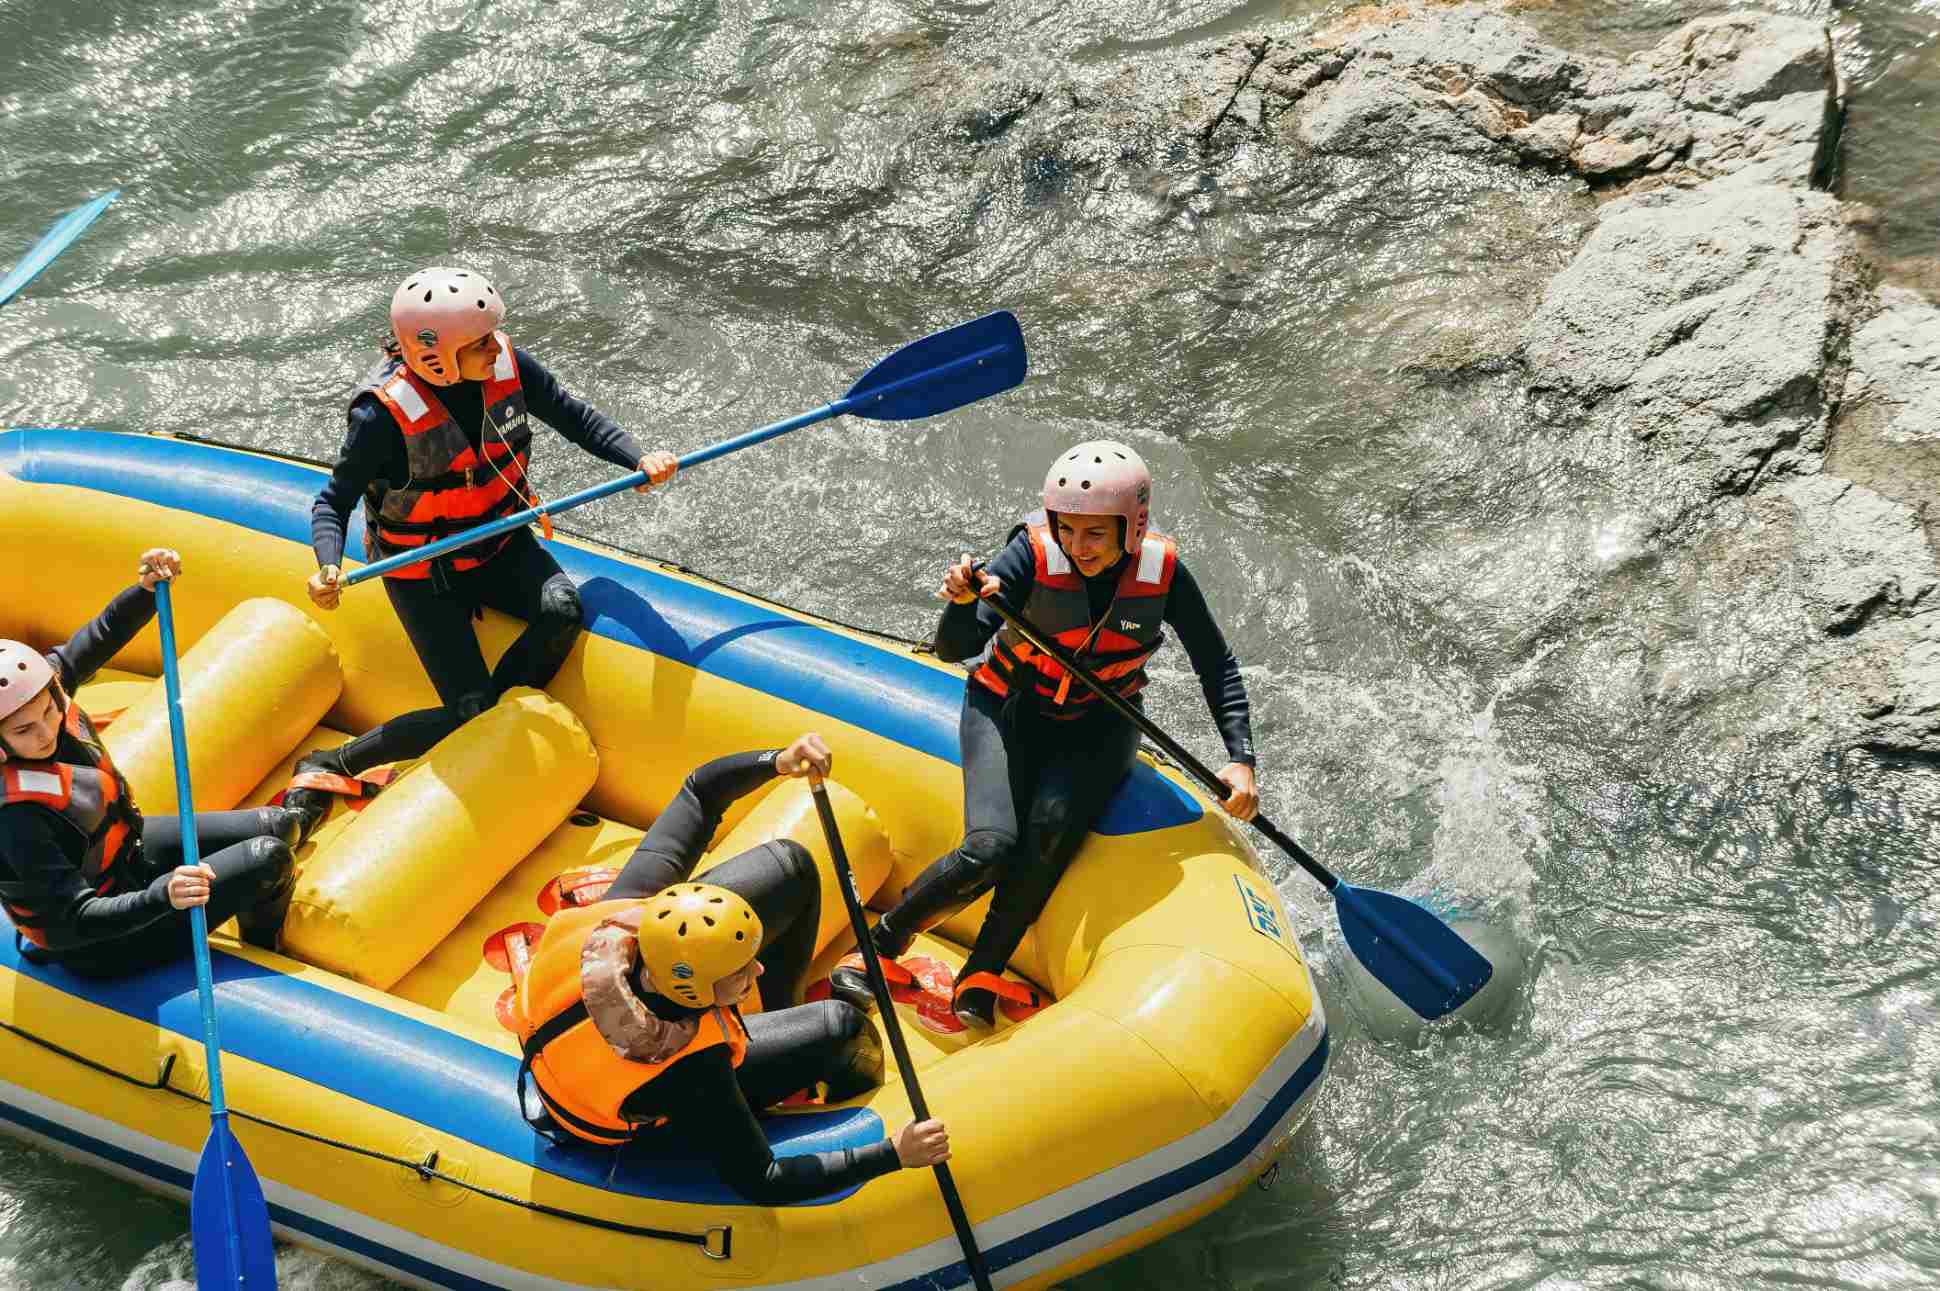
(86, 880)
(1041, 755)
(628, 1010)
(439, 443)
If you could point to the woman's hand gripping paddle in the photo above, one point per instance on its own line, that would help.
(52, 243)
(1409, 950)
(228, 1219)
(944, 370)
(886, 1010)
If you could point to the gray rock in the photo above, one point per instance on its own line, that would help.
(1701, 322)
(1859, 553)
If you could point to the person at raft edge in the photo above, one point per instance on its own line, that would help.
(628, 1014)
(1041, 755)
(440, 442)
(87, 880)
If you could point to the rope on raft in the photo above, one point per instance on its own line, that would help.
(717, 1243)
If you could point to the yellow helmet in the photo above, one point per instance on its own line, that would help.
(694, 934)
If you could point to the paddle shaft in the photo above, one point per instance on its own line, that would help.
(858, 405)
(1173, 749)
(886, 1010)
(198, 918)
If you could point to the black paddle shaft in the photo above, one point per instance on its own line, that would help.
(886, 1010)
(1173, 749)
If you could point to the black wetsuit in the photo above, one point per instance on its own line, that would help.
(41, 854)
(709, 1103)
(522, 580)
(1033, 784)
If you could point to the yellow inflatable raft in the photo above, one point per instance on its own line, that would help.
(369, 1071)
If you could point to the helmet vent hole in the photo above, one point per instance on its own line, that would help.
(1061, 481)
(452, 287)
(715, 900)
(427, 295)
(740, 936)
(462, 274)
(481, 304)
(682, 930)
(663, 914)
(1098, 461)
(1084, 484)
(709, 922)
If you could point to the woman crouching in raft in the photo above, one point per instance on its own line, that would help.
(628, 1013)
(1041, 757)
(440, 442)
(87, 881)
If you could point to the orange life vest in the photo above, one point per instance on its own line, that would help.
(576, 1066)
(1115, 648)
(92, 797)
(452, 488)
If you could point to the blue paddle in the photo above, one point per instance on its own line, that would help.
(1407, 948)
(56, 240)
(228, 1219)
(944, 370)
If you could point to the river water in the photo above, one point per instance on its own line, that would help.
(1716, 1068)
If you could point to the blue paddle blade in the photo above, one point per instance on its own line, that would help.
(944, 370)
(1410, 950)
(228, 1219)
(56, 240)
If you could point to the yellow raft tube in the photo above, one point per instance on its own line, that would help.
(369, 1073)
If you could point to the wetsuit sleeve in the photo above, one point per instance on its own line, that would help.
(964, 630)
(1187, 613)
(52, 886)
(684, 830)
(574, 418)
(369, 445)
(88, 651)
(700, 1090)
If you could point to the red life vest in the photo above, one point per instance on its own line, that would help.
(1115, 648)
(90, 796)
(452, 488)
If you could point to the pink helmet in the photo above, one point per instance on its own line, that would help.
(436, 313)
(1102, 478)
(24, 673)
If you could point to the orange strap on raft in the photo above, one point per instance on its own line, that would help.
(575, 888)
(892, 972)
(1021, 999)
(359, 789)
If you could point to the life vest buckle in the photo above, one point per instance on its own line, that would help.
(726, 1245)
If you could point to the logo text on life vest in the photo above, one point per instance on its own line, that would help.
(1264, 915)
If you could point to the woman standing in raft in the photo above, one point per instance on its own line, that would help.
(1041, 757)
(628, 1010)
(440, 442)
(85, 879)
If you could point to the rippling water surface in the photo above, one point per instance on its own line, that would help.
(1718, 1069)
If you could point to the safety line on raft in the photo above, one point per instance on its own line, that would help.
(426, 1169)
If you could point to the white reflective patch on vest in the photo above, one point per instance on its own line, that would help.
(43, 782)
(504, 368)
(1151, 561)
(1055, 561)
(406, 397)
